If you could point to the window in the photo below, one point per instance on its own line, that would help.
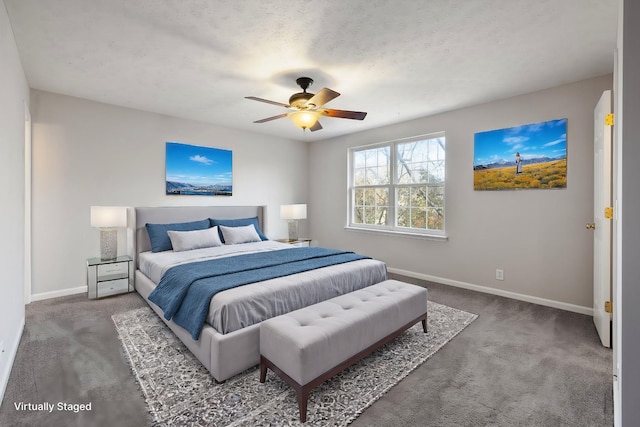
(399, 185)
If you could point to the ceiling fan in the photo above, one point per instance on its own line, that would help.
(307, 107)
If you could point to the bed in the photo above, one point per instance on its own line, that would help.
(228, 342)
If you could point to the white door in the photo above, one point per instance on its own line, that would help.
(602, 228)
(27, 204)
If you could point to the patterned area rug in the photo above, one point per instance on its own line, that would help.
(179, 391)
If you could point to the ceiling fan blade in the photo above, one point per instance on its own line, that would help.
(268, 119)
(319, 99)
(315, 127)
(343, 114)
(267, 101)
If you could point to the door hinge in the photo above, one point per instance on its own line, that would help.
(608, 212)
(608, 307)
(608, 119)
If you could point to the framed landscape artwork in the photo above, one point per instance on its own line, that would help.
(201, 171)
(521, 157)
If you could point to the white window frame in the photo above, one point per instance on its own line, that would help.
(391, 226)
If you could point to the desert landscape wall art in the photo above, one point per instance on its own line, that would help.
(521, 157)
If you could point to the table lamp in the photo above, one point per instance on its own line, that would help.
(108, 219)
(293, 213)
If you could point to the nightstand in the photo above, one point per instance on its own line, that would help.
(112, 277)
(302, 242)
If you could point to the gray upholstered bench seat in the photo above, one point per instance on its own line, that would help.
(310, 345)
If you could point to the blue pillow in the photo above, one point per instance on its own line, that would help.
(160, 238)
(238, 223)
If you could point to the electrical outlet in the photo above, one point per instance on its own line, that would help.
(499, 274)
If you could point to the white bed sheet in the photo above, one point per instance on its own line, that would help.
(247, 305)
(154, 264)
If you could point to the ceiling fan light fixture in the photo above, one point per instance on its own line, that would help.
(307, 107)
(304, 119)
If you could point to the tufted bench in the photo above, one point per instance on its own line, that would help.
(310, 345)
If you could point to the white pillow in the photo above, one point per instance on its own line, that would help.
(243, 234)
(196, 239)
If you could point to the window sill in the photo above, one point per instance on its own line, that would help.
(435, 237)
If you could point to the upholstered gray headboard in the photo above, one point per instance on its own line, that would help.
(171, 214)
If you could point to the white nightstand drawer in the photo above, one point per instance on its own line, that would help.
(113, 269)
(112, 287)
(109, 277)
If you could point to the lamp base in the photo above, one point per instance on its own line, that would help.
(108, 244)
(293, 229)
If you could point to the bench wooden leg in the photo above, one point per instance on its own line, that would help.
(424, 325)
(263, 371)
(303, 398)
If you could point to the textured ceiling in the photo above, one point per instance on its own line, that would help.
(397, 60)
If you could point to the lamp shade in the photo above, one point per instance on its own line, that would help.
(304, 119)
(298, 211)
(108, 216)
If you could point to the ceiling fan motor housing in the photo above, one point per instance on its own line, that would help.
(299, 99)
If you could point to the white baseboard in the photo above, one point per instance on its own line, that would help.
(9, 357)
(61, 293)
(522, 297)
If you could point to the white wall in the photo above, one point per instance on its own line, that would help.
(537, 237)
(87, 153)
(14, 93)
(629, 273)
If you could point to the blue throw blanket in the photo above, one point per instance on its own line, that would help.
(185, 291)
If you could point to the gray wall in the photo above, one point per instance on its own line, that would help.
(14, 92)
(630, 213)
(87, 153)
(537, 237)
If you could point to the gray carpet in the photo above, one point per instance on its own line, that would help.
(180, 391)
(518, 364)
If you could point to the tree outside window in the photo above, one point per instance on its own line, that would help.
(399, 186)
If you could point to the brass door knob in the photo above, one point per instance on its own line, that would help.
(591, 226)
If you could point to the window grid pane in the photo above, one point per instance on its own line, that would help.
(371, 206)
(436, 171)
(436, 196)
(418, 192)
(420, 161)
(435, 219)
(413, 203)
(371, 167)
